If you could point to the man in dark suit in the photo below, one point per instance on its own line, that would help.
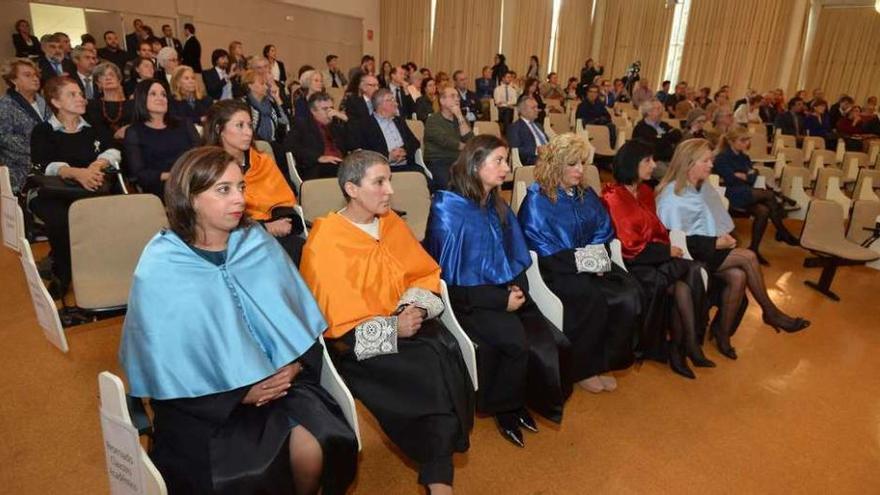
(388, 134)
(168, 38)
(112, 52)
(397, 85)
(320, 140)
(216, 79)
(470, 105)
(792, 122)
(840, 109)
(652, 131)
(359, 107)
(368, 66)
(52, 62)
(192, 49)
(132, 39)
(85, 62)
(526, 134)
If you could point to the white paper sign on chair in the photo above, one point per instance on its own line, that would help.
(44, 306)
(13, 223)
(123, 451)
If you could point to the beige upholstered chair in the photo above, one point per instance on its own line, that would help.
(295, 178)
(411, 195)
(852, 162)
(820, 159)
(319, 197)
(823, 235)
(491, 128)
(418, 129)
(264, 147)
(793, 183)
(867, 181)
(828, 186)
(107, 236)
(600, 140)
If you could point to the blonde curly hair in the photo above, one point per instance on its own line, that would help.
(562, 151)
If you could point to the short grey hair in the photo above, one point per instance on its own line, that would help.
(163, 56)
(305, 80)
(354, 168)
(103, 68)
(647, 106)
(79, 51)
(522, 102)
(378, 96)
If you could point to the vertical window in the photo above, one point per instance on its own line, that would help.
(554, 31)
(433, 20)
(676, 40)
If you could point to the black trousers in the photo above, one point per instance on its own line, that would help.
(53, 213)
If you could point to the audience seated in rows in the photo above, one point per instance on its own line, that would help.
(564, 222)
(377, 288)
(222, 336)
(21, 109)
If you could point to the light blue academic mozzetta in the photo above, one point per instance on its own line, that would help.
(696, 212)
(195, 328)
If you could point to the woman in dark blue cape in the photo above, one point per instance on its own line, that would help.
(477, 241)
(568, 228)
(221, 335)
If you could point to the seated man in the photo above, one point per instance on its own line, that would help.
(470, 104)
(552, 93)
(320, 142)
(791, 123)
(376, 285)
(652, 131)
(358, 105)
(445, 134)
(525, 134)
(52, 62)
(387, 134)
(85, 62)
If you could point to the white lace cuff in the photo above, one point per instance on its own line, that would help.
(375, 337)
(592, 259)
(424, 299)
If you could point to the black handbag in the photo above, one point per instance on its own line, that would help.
(55, 187)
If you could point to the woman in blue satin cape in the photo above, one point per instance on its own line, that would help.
(221, 335)
(475, 238)
(687, 203)
(568, 228)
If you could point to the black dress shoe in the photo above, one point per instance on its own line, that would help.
(787, 237)
(527, 421)
(679, 365)
(508, 426)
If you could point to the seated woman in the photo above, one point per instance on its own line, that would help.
(817, 121)
(734, 166)
(188, 101)
(695, 124)
(155, 139)
(429, 102)
(480, 247)
(311, 82)
(377, 286)
(68, 147)
(268, 197)
(687, 203)
(221, 335)
(268, 118)
(532, 87)
(141, 70)
(566, 225)
(21, 109)
(672, 284)
(110, 110)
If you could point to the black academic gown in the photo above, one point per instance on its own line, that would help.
(521, 354)
(601, 314)
(216, 445)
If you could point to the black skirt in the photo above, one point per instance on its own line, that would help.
(216, 445)
(422, 396)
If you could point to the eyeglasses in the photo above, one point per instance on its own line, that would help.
(325, 109)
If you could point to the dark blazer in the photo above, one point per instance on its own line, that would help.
(192, 54)
(356, 108)
(520, 136)
(82, 86)
(307, 144)
(767, 113)
(175, 43)
(213, 83)
(119, 57)
(24, 50)
(664, 146)
(469, 101)
(406, 105)
(371, 138)
(131, 43)
(282, 73)
(786, 122)
(194, 112)
(47, 72)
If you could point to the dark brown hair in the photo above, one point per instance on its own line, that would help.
(52, 89)
(192, 174)
(218, 116)
(464, 173)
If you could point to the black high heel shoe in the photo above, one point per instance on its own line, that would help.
(679, 364)
(527, 421)
(778, 323)
(695, 352)
(508, 426)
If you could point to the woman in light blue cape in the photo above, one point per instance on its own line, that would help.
(688, 203)
(221, 334)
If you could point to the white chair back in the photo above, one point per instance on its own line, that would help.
(293, 172)
(548, 303)
(468, 352)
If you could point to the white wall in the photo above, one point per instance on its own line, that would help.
(368, 10)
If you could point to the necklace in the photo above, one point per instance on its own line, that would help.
(112, 121)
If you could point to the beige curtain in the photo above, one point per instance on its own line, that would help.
(737, 43)
(405, 30)
(465, 36)
(636, 30)
(528, 34)
(845, 56)
(574, 38)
